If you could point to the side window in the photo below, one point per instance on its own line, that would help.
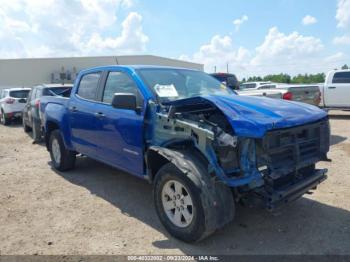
(88, 86)
(341, 78)
(119, 82)
(267, 86)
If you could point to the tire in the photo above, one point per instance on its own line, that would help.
(66, 159)
(26, 128)
(36, 131)
(211, 209)
(4, 120)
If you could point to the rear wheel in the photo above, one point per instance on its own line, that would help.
(62, 158)
(36, 131)
(26, 128)
(4, 120)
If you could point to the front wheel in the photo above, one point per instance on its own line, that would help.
(178, 204)
(62, 158)
(189, 208)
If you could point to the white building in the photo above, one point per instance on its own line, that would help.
(31, 71)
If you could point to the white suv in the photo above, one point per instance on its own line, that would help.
(12, 102)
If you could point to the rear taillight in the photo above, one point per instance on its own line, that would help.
(318, 98)
(37, 103)
(288, 96)
(9, 100)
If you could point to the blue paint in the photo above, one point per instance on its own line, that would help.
(122, 137)
(254, 116)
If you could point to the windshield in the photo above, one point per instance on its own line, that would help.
(172, 84)
(19, 93)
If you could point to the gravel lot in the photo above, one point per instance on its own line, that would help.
(95, 209)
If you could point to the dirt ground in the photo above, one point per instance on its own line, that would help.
(95, 209)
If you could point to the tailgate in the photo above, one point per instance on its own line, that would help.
(267, 93)
(307, 94)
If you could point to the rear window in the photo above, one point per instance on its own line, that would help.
(221, 78)
(57, 91)
(19, 93)
(247, 86)
(341, 78)
(88, 86)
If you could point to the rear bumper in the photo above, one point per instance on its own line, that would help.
(12, 115)
(293, 192)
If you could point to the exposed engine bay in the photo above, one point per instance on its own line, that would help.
(281, 158)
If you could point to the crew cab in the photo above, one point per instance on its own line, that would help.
(203, 147)
(12, 101)
(336, 90)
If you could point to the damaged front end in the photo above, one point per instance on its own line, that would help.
(277, 167)
(286, 158)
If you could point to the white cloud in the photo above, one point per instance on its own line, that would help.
(68, 28)
(342, 40)
(291, 53)
(279, 47)
(132, 38)
(238, 22)
(309, 20)
(335, 58)
(343, 13)
(218, 53)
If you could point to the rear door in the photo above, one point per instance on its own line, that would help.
(337, 91)
(82, 108)
(120, 131)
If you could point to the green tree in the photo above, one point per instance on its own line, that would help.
(345, 67)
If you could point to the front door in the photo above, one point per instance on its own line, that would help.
(120, 139)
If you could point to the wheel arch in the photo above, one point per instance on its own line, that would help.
(174, 152)
(49, 127)
(217, 197)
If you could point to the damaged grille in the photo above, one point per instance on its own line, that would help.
(287, 153)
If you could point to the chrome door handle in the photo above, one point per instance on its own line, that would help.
(73, 109)
(99, 114)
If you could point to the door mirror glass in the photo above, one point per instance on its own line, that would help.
(125, 101)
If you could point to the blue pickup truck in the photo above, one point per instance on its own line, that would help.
(203, 147)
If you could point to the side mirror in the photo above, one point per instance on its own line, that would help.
(232, 82)
(125, 101)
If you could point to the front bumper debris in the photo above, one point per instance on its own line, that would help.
(295, 191)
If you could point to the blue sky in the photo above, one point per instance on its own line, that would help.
(252, 37)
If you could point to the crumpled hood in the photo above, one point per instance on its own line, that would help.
(254, 116)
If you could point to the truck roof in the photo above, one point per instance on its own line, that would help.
(338, 70)
(133, 67)
(56, 85)
(17, 88)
